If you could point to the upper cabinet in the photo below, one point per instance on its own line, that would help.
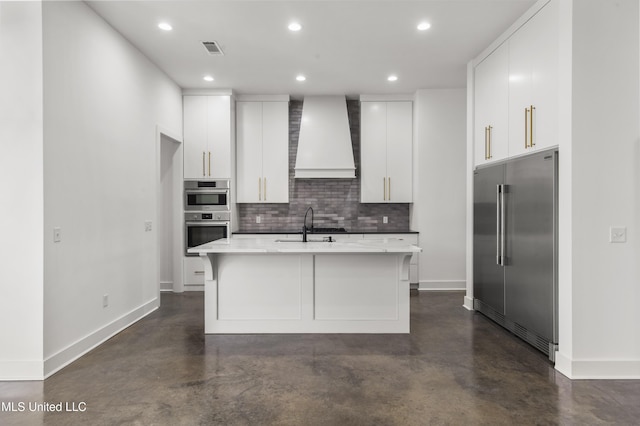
(262, 151)
(207, 137)
(533, 83)
(515, 91)
(386, 136)
(491, 131)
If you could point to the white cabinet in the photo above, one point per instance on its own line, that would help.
(262, 152)
(193, 272)
(491, 106)
(207, 137)
(386, 152)
(515, 92)
(533, 83)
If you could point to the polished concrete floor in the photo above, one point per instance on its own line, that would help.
(455, 368)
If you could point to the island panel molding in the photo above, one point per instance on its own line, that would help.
(359, 286)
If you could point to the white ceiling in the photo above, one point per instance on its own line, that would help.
(345, 47)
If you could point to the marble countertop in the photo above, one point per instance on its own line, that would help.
(315, 245)
(297, 231)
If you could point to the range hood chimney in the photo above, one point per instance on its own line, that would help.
(324, 145)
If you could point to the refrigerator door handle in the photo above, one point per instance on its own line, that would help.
(503, 189)
(498, 224)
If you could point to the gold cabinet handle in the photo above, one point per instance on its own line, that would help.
(384, 188)
(490, 128)
(259, 189)
(528, 127)
(265, 189)
(389, 190)
(209, 163)
(531, 144)
(203, 174)
(486, 143)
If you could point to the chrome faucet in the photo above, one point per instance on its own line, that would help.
(304, 225)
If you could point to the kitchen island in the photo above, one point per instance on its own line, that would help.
(287, 286)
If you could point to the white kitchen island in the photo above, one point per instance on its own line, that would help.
(267, 286)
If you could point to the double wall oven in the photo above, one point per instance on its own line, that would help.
(206, 212)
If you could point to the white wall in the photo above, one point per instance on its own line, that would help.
(21, 191)
(599, 335)
(440, 186)
(102, 102)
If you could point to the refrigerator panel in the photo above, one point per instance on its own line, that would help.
(530, 220)
(488, 275)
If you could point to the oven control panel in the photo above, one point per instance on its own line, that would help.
(209, 216)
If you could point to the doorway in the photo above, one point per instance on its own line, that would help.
(170, 221)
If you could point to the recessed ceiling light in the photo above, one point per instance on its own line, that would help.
(207, 78)
(165, 26)
(301, 78)
(294, 26)
(423, 26)
(392, 78)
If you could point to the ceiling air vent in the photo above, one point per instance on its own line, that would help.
(213, 47)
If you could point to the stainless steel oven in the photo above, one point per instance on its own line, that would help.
(204, 227)
(206, 195)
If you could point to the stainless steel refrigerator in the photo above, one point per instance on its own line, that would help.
(515, 260)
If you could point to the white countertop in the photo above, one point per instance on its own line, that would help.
(271, 245)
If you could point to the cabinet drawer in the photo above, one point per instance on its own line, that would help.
(193, 271)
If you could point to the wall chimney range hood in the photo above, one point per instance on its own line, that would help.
(324, 144)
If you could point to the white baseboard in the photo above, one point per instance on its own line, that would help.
(468, 303)
(21, 370)
(166, 285)
(75, 350)
(193, 287)
(597, 369)
(442, 285)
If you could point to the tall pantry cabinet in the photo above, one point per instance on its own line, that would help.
(209, 153)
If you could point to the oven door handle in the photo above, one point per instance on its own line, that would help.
(207, 191)
(208, 223)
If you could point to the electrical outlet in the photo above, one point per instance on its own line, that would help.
(618, 234)
(258, 219)
(385, 219)
(147, 226)
(105, 300)
(57, 235)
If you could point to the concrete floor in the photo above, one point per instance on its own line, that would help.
(456, 367)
